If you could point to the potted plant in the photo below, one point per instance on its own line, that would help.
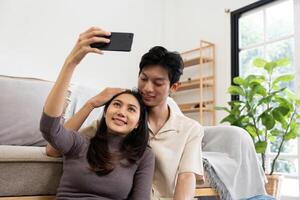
(266, 108)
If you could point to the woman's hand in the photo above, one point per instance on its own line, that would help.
(83, 47)
(104, 96)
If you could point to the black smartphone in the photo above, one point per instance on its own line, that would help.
(118, 42)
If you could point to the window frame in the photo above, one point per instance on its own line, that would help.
(234, 17)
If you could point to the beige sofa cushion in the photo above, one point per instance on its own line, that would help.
(28, 171)
(21, 106)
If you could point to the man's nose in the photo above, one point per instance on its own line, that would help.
(148, 86)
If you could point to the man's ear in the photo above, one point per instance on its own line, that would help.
(174, 87)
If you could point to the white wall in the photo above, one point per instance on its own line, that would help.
(36, 36)
(189, 21)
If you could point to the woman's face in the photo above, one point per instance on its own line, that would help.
(122, 114)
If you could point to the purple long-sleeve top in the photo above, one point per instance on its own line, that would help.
(79, 182)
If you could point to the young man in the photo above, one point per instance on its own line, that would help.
(174, 138)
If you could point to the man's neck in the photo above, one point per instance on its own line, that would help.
(158, 116)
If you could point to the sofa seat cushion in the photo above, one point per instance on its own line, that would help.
(28, 171)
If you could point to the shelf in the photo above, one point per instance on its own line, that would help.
(189, 107)
(206, 78)
(194, 107)
(193, 84)
(208, 102)
(196, 61)
(200, 84)
(208, 110)
(190, 84)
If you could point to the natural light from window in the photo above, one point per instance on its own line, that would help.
(268, 32)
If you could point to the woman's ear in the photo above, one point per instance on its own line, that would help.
(137, 125)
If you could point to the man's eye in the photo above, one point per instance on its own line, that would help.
(158, 84)
(143, 79)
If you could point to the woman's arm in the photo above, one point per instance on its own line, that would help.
(142, 182)
(55, 100)
(74, 123)
(54, 104)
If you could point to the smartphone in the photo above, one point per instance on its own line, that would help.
(118, 42)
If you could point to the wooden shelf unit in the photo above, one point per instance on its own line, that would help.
(195, 84)
(204, 56)
(196, 61)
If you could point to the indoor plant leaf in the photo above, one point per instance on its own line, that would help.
(236, 90)
(267, 120)
(283, 62)
(283, 78)
(270, 66)
(239, 80)
(259, 62)
(260, 146)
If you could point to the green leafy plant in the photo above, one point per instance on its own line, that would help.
(267, 109)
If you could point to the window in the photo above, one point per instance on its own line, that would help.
(266, 29)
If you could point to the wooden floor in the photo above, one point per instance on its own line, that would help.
(29, 198)
(205, 192)
(200, 192)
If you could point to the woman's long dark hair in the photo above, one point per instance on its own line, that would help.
(132, 148)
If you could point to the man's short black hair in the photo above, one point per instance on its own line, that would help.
(171, 61)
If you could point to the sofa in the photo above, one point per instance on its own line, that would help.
(27, 172)
(25, 169)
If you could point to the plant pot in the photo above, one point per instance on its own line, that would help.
(274, 185)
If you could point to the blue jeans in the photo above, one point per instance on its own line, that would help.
(261, 197)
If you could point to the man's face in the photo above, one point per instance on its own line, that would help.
(154, 85)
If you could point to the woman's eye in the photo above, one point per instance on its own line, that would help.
(116, 104)
(131, 109)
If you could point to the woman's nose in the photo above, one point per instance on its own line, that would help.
(121, 112)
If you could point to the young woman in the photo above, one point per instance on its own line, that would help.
(116, 163)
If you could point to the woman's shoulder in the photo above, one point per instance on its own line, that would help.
(149, 151)
(148, 155)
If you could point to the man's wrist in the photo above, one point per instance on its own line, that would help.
(90, 106)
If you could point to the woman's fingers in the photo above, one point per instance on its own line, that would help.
(92, 40)
(93, 35)
(93, 28)
(82, 47)
(94, 50)
(98, 33)
(94, 32)
(87, 49)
